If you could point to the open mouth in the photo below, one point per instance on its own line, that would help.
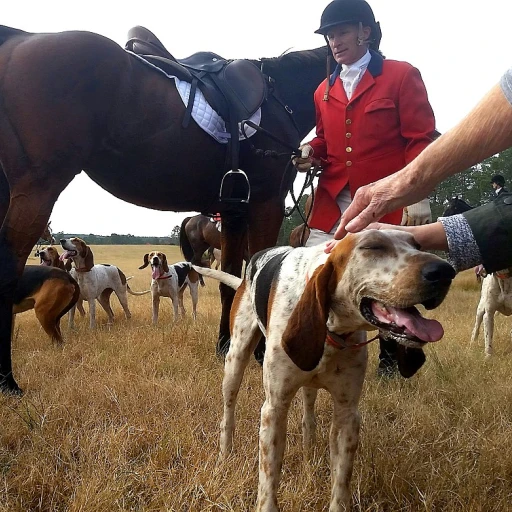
(66, 255)
(156, 271)
(402, 324)
(44, 261)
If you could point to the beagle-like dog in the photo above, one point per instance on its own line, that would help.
(96, 281)
(51, 292)
(314, 309)
(171, 281)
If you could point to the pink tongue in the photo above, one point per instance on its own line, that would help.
(156, 273)
(423, 328)
(65, 256)
(45, 262)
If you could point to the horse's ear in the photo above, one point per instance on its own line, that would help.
(164, 263)
(146, 261)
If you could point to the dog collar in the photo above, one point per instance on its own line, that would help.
(339, 340)
(165, 277)
(82, 269)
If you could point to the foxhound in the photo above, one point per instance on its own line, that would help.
(171, 281)
(96, 281)
(51, 292)
(314, 310)
(495, 296)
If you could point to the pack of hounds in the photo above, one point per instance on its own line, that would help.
(62, 282)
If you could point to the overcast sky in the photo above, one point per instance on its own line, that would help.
(461, 48)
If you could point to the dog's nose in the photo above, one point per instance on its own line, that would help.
(62, 240)
(436, 271)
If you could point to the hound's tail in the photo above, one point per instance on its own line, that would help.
(131, 292)
(225, 278)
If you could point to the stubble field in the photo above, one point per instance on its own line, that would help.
(127, 418)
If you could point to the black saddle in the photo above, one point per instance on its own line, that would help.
(234, 88)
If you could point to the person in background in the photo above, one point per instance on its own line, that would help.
(373, 117)
(498, 184)
(473, 236)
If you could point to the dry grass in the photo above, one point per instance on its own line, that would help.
(127, 419)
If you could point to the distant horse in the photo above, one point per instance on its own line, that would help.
(76, 101)
(455, 206)
(46, 236)
(214, 257)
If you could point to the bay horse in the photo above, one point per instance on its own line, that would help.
(77, 101)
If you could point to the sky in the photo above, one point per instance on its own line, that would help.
(461, 48)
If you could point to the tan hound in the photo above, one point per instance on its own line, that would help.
(314, 310)
(171, 281)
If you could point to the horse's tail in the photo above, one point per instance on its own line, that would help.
(8, 32)
(225, 278)
(186, 248)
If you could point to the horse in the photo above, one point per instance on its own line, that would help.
(46, 237)
(92, 106)
(300, 234)
(455, 206)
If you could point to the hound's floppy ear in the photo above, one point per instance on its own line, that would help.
(410, 360)
(304, 336)
(89, 259)
(164, 263)
(146, 261)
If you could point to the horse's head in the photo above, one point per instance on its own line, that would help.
(455, 206)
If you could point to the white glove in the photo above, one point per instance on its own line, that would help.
(304, 162)
(417, 214)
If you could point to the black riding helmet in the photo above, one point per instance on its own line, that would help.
(350, 11)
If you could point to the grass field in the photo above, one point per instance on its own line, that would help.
(127, 418)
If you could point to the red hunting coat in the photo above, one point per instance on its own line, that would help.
(386, 124)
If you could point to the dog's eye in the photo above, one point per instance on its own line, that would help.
(373, 247)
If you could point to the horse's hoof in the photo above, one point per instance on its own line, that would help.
(9, 387)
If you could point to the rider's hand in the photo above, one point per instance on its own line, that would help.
(305, 161)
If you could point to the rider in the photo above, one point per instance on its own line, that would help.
(373, 117)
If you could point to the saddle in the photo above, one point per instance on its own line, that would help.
(235, 89)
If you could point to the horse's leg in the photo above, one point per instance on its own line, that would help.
(4, 196)
(234, 242)
(31, 201)
(265, 221)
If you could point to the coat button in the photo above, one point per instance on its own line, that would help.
(348, 150)
(348, 135)
(349, 163)
(348, 121)
(349, 107)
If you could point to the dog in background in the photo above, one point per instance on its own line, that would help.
(96, 281)
(51, 292)
(171, 281)
(314, 309)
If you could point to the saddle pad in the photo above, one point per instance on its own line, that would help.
(202, 113)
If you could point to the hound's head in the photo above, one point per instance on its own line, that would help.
(373, 279)
(78, 251)
(49, 256)
(158, 262)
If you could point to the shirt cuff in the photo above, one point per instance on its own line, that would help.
(463, 251)
(506, 85)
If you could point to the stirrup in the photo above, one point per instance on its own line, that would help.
(235, 187)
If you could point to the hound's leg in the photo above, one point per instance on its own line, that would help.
(194, 294)
(274, 413)
(246, 335)
(478, 322)
(175, 305)
(181, 304)
(123, 299)
(308, 421)
(488, 332)
(344, 434)
(92, 313)
(71, 317)
(156, 307)
(104, 300)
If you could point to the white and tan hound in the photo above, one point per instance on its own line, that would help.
(314, 310)
(171, 281)
(96, 281)
(495, 296)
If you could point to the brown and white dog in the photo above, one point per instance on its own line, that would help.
(171, 281)
(51, 292)
(96, 281)
(314, 310)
